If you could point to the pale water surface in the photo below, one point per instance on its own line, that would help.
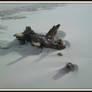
(27, 66)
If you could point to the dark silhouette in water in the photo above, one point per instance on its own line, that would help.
(63, 71)
(39, 40)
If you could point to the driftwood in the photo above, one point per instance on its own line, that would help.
(28, 30)
(53, 31)
(39, 40)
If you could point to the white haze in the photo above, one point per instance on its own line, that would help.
(28, 67)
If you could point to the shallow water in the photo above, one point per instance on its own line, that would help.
(27, 66)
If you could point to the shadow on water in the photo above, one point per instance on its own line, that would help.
(44, 54)
(63, 71)
(67, 43)
(15, 61)
(61, 34)
(24, 51)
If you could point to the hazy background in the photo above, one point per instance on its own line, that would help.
(26, 67)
